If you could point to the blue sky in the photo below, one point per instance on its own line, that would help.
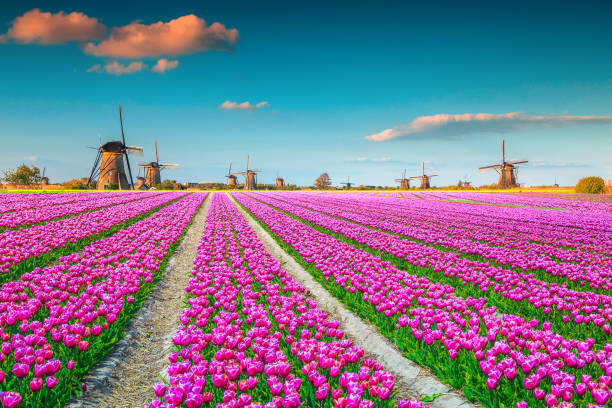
(332, 73)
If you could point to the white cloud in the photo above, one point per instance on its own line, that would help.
(228, 105)
(164, 65)
(452, 126)
(373, 160)
(115, 68)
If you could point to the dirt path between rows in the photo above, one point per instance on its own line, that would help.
(125, 377)
(411, 379)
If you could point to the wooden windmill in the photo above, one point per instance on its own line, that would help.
(507, 169)
(108, 166)
(153, 169)
(404, 182)
(348, 183)
(280, 183)
(44, 181)
(423, 177)
(250, 176)
(231, 179)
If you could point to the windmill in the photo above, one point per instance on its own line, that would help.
(423, 177)
(108, 166)
(44, 181)
(348, 183)
(153, 169)
(466, 182)
(231, 179)
(279, 181)
(507, 169)
(404, 182)
(250, 176)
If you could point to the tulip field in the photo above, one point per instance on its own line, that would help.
(504, 297)
(57, 321)
(508, 303)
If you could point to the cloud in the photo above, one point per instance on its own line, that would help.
(31, 158)
(557, 164)
(453, 126)
(243, 106)
(45, 28)
(94, 68)
(184, 35)
(115, 68)
(373, 160)
(164, 65)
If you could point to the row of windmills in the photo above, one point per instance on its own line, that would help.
(250, 177)
(508, 173)
(108, 168)
(405, 181)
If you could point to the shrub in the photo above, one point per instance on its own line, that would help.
(590, 185)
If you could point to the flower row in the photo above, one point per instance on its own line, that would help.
(20, 246)
(58, 321)
(573, 313)
(250, 336)
(501, 360)
(48, 212)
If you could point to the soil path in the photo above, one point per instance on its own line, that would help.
(411, 379)
(125, 377)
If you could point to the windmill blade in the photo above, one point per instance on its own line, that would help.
(121, 122)
(134, 151)
(518, 161)
(156, 152)
(493, 166)
(255, 171)
(93, 169)
(247, 167)
(89, 147)
(168, 166)
(229, 172)
(239, 173)
(127, 159)
(432, 175)
(143, 164)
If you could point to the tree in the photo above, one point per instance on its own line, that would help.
(22, 175)
(590, 185)
(168, 185)
(323, 182)
(76, 184)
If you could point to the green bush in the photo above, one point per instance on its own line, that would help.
(590, 185)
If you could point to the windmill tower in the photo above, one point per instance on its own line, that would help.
(231, 179)
(404, 182)
(108, 166)
(507, 169)
(348, 183)
(466, 183)
(250, 176)
(280, 183)
(153, 169)
(44, 181)
(423, 177)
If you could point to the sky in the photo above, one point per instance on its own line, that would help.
(360, 89)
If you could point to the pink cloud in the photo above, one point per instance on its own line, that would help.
(94, 68)
(451, 126)
(45, 28)
(184, 35)
(164, 65)
(228, 105)
(115, 68)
